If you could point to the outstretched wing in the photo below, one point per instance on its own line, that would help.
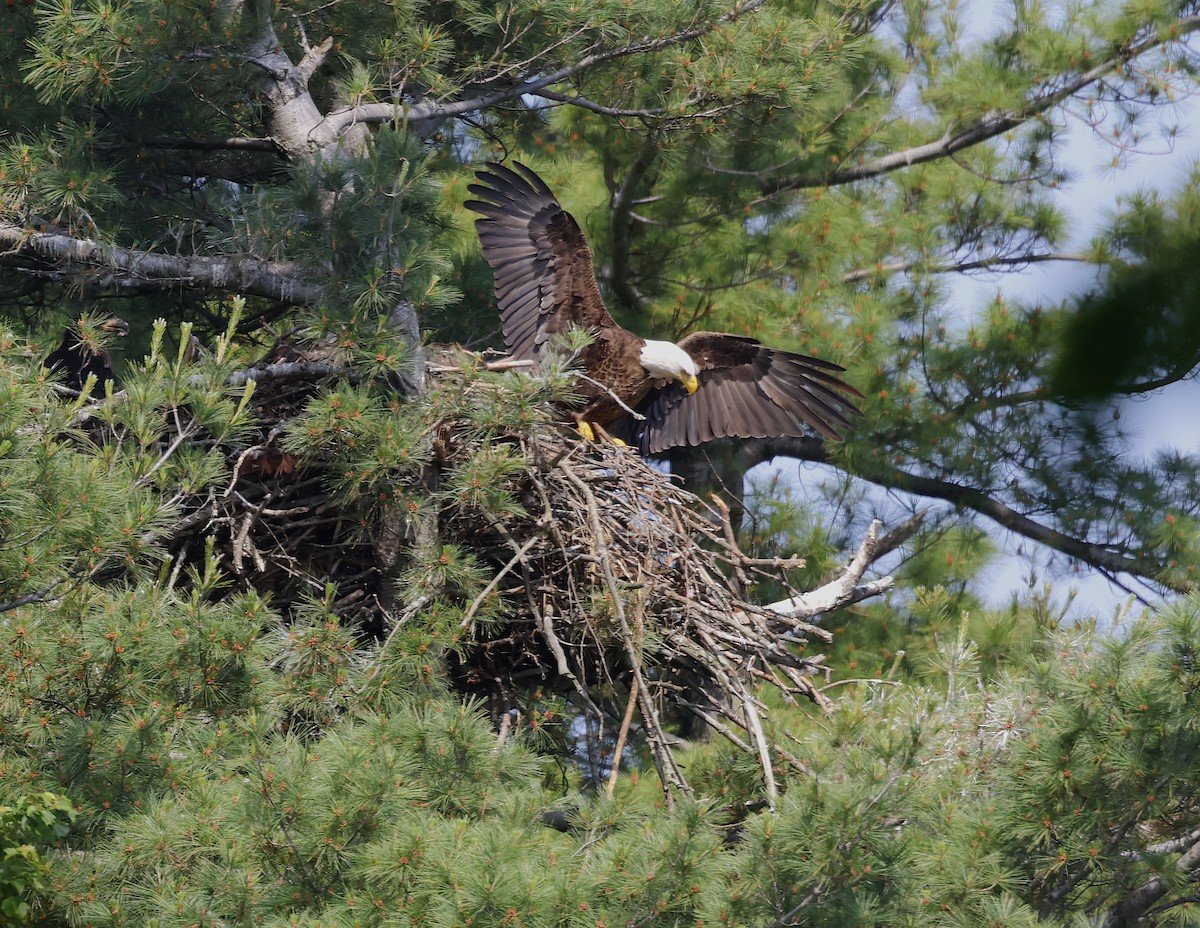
(747, 390)
(545, 282)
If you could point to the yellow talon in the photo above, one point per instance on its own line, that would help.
(592, 432)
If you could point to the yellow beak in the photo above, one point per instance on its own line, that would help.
(690, 382)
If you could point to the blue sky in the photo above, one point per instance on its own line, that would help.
(1168, 417)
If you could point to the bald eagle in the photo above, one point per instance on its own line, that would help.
(82, 352)
(709, 385)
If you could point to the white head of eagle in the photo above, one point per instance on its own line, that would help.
(669, 361)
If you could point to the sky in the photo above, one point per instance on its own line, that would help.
(1166, 418)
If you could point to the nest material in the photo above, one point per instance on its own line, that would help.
(612, 575)
(621, 554)
(626, 576)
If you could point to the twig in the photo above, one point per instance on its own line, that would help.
(183, 436)
(518, 557)
(754, 726)
(612, 396)
(622, 734)
(719, 727)
(373, 667)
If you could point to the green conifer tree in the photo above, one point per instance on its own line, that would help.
(267, 621)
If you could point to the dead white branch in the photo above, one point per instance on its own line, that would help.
(842, 590)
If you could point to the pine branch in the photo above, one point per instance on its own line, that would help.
(45, 594)
(593, 107)
(1180, 372)
(119, 267)
(371, 113)
(1139, 901)
(1105, 557)
(983, 264)
(297, 123)
(1018, 398)
(993, 125)
(1114, 559)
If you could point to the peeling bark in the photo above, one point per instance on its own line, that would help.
(118, 267)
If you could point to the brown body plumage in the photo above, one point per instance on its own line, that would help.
(711, 385)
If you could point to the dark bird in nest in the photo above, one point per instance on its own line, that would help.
(84, 352)
(653, 394)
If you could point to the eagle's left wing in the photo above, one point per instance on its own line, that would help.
(747, 390)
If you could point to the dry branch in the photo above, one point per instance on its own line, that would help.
(843, 590)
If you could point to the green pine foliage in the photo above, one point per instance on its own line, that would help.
(70, 509)
(372, 222)
(951, 802)
(197, 729)
(223, 766)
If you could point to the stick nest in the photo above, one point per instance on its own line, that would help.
(611, 581)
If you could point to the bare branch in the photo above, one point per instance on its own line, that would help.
(900, 534)
(1115, 558)
(314, 57)
(843, 590)
(619, 276)
(622, 735)
(993, 125)
(754, 726)
(983, 264)
(235, 143)
(584, 103)
(129, 267)
(1112, 559)
(608, 390)
(1138, 902)
(668, 770)
(1173, 846)
(296, 122)
(309, 370)
(45, 594)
